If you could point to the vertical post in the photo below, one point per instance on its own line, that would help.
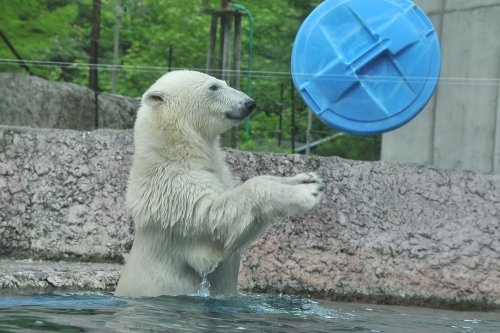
(211, 45)
(293, 115)
(225, 51)
(94, 52)
(116, 44)
(220, 61)
(170, 55)
(237, 51)
(226, 48)
(308, 131)
(282, 105)
(94, 44)
(496, 144)
(236, 64)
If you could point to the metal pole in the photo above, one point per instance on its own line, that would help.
(116, 44)
(308, 131)
(225, 50)
(293, 115)
(236, 64)
(170, 55)
(237, 51)
(94, 44)
(282, 105)
(94, 52)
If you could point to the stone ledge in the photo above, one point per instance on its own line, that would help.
(33, 275)
(28, 276)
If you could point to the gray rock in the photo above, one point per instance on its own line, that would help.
(117, 112)
(35, 102)
(385, 232)
(29, 275)
(62, 194)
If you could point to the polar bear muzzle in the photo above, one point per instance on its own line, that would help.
(241, 111)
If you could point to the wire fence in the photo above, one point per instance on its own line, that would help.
(443, 80)
(283, 134)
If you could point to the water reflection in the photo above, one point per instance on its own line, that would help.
(102, 312)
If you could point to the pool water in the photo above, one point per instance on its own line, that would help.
(102, 312)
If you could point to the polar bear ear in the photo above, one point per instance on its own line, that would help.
(154, 98)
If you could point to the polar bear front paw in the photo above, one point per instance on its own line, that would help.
(309, 190)
(303, 178)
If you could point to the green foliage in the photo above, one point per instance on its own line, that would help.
(58, 31)
(42, 32)
(352, 147)
(261, 145)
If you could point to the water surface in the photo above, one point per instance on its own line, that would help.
(102, 312)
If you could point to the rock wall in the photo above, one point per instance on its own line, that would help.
(385, 232)
(35, 102)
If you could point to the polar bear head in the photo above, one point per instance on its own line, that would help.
(197, 101)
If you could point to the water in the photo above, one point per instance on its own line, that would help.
(102, 312)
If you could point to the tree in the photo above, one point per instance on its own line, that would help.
(42, 30)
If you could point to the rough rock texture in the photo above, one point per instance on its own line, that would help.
(62, 194)
(35, 102)
(35, 275)
(385, 232)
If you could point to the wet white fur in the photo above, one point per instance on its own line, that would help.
(190, 219)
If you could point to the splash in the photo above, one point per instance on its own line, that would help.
(204, 288)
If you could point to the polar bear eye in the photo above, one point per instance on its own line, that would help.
(214, 87)
(156, 98)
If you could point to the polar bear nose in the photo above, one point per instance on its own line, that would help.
(250, 105)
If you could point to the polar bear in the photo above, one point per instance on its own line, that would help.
(191, 222)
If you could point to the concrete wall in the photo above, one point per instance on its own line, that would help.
(460, 127)
(385, 232)
(35, 102)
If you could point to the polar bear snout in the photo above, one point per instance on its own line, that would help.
(242, 111)
(250, 105)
